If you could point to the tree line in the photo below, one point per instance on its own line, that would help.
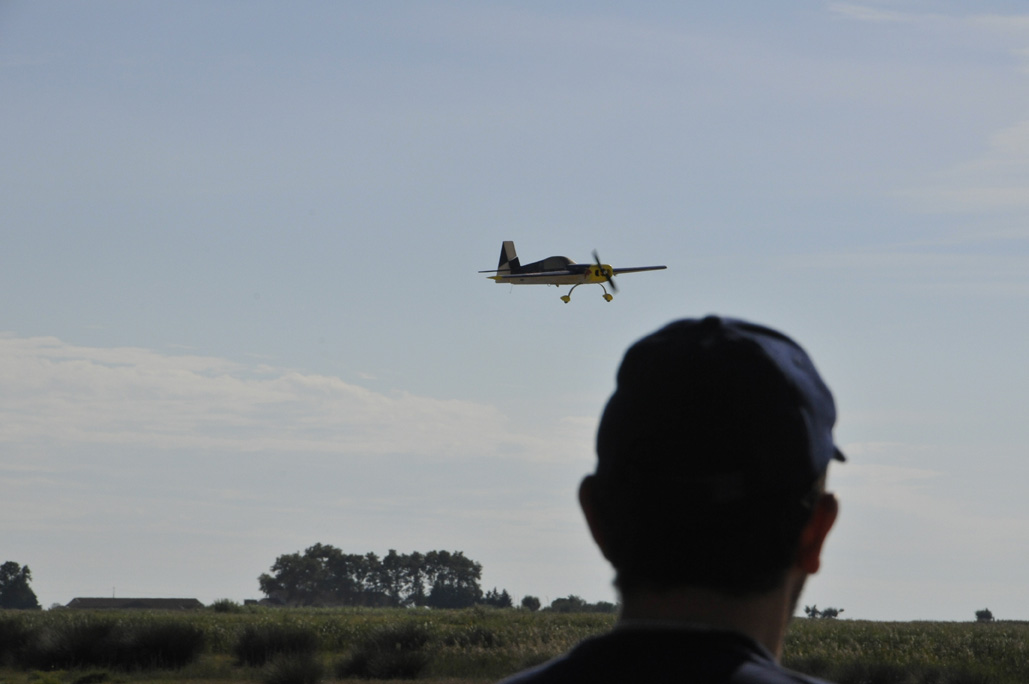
(324, 575)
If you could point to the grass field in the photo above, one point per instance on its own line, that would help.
(283, 646)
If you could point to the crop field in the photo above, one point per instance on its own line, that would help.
(284, 646)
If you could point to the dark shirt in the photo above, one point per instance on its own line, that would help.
(656, 655)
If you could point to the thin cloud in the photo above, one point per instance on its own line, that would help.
(57, 392)
(868, 13)
(890, 486)
(12, 62)
(1015, 23)
(996, 180)
(922, 501)
(993, 23)
(995, 32)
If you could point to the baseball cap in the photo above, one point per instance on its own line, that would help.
(717, 409)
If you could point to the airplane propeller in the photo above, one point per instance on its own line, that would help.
(607, 272)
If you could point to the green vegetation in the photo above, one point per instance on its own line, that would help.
(396, 651)
(575, 604)
(15, 591)
(294, 669)
(73, 640)
(259, 643)
(325, 576)
(479, 644)
(853, 651)
(824, 614)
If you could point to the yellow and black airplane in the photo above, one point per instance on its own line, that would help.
(559, 270)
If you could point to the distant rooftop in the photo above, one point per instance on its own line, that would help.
(141, 603)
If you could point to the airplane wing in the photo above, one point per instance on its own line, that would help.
(542, 274)
(636, 269)
(572, 269)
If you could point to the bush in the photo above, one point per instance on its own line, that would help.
(107, 643)
(93, 678)
(879, 673)
(87, 643)
(576, 604)
(14, 637)
(162, 645)
(226, 606)
(258, 644)
(390, 652)
(476, 636)
(295, 668)
(826, 614)
(858, 672)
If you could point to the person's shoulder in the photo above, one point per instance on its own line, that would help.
(773, 674)
(536, 675)
(593, 660)
(555, 670)
(655, 656)
(756, 665)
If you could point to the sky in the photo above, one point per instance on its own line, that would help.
(242, 313)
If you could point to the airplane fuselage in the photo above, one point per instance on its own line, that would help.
(589, 274)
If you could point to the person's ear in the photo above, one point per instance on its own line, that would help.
(812, 537)
(588, 503)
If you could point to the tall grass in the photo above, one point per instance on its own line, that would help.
(854, 651)
(295, 668)
(15, 635)
(259, 643)
(394, 651)
(89, 640)
(480, 644)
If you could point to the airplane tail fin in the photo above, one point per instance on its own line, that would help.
(508, 258)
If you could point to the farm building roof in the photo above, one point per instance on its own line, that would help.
(144, 603)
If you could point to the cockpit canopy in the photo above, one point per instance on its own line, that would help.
(554, 263)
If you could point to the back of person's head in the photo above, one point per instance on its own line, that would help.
(711, 453)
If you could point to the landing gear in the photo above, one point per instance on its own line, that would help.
(568, 297)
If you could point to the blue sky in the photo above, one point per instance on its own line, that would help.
(240, 245)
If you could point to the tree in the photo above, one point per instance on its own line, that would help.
(391, 577)
(415, 566)
(826, 613)
(454, 580)
(983, 615)
(531, 603)
(325, 576)
(498, 599)
(15, 591)
(295, 580)
(576, 604)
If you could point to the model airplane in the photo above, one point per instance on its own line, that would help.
(559, 270)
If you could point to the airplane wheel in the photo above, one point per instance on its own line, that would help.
(608, 297)
(565, 298)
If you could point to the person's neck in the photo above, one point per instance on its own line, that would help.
(762, 617)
